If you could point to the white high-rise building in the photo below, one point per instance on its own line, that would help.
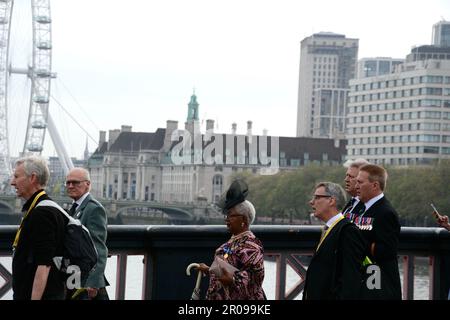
(327, 61)
(401, 118)
(441, 34)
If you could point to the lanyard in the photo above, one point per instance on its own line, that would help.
(33, 204)
(328, 231)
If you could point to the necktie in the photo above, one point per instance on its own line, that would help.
(362, 210)
(349, 205)
(72, 209)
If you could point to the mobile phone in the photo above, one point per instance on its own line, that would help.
(435, 212)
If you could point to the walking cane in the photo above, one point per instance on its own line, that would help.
(196, 293)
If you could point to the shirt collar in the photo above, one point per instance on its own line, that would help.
(80, 201)
(333, 220)
(27, 203)
(356, 201)
(369, 203)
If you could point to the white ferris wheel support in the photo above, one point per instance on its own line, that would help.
(40, 75)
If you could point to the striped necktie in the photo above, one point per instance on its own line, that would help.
(73, 209)
(349, 206)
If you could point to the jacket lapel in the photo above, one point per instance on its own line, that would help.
(80, 209)
(327, 239)
(373, 208)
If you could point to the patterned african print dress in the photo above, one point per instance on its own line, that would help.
(245, 252)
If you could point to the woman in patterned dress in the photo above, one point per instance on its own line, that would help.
(243, 251)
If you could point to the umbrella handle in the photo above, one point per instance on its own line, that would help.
(199, 275)
(189, 267)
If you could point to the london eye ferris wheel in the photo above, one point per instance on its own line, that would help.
(39, 74)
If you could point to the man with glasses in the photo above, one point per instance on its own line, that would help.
(92, 215)
(334, 272)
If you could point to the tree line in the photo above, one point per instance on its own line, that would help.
(284, 197)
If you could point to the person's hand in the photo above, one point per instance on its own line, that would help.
(92, 292)
(443, 222)
(203, 268)
(227, 278)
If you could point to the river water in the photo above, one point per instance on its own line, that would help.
(133, 289)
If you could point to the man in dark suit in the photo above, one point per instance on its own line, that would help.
(92, 215)
(381, 228)
(353, 206)
(335, 269)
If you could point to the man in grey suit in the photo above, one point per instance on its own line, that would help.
(92, 215)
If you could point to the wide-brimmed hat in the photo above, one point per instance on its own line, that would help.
(237, 192)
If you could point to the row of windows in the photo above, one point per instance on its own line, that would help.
(401, 82)
(400, 139)
(319, 80)
(431, 91)
(324, 73)
(325, 59)
(334, 43)
(402, 161)
(394, 128)
(400, 105)
(297, 162)
(325, 66)
(396, 117)
(398, 150)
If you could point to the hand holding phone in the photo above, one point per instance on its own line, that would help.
(436, 212)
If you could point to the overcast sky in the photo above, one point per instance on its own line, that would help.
(136, 62)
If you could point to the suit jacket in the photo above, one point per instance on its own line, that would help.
(92, 215)
(355, 211)
(380, 225)
(334, 272)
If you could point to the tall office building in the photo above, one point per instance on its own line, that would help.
(403, 117)
(441, 34)
(327, 61)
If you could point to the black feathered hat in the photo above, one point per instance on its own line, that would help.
(237, 192)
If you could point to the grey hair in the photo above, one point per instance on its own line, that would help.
(85, 172)
(358, 163)
(36, 165)
(334, 190)
(246, 209)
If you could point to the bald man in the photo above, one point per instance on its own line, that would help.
(92, 215)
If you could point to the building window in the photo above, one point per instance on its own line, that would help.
(146, 193)
(428, 149)
(217, 183)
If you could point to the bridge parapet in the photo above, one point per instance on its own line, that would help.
(168, 250)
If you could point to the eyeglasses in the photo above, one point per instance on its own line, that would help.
(75, 183)
(228, 216)
(318, 196)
